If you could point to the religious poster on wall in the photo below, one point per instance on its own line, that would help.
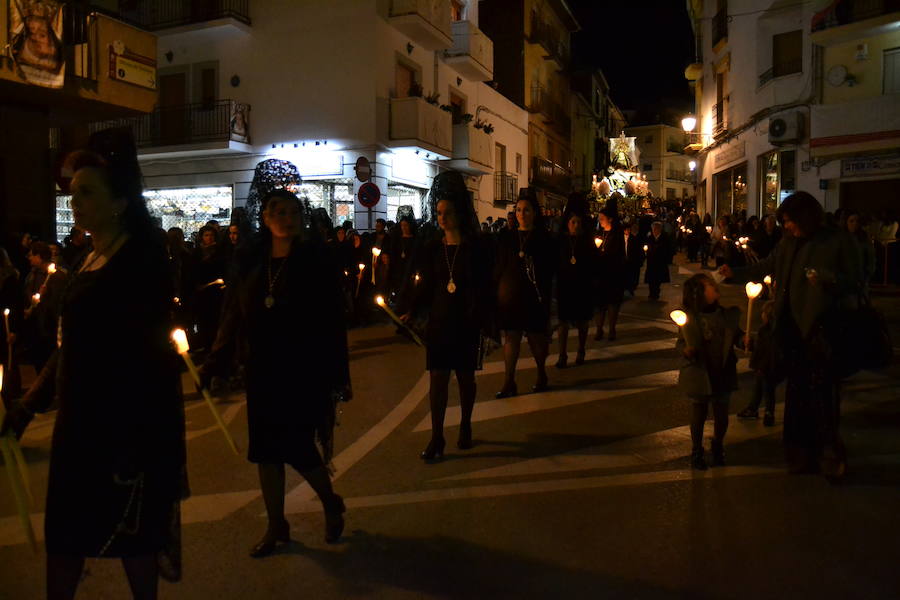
(35, 41)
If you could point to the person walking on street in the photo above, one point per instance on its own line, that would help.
(286, 306)
(634, 257)
(766, 367)
(817, 272)
(523, 277)
(659, 255)
(707, 341)
(576, 270)
(117, 461)
(455, 274)
(610, 270)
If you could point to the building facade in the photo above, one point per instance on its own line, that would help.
(400, 83)
(663, 160)
(794, 96)
(532, 68)
(592, 128)
(61, 68)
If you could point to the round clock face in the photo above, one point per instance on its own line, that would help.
(837, 75)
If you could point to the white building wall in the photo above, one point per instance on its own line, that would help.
(751, 105)
(331, 80)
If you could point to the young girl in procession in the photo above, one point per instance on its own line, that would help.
(576, 266)
(765, 365)
(454, 288)
(707, 340)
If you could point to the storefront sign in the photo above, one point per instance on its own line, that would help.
(870, 165)
(409, 168)
(132, 68)
(731, 154)
(319, 164)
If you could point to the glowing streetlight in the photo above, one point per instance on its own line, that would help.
(688, 123)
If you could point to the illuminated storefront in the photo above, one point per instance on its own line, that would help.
(190, 208)
(730, 190)
(778, 173)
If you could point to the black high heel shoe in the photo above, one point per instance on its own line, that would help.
(507, 392)
(267, 545)
(334, 519)
(465, 437)
(541, 385)
(435, 450)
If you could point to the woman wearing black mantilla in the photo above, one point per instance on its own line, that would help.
(286, 301)
(455, 271)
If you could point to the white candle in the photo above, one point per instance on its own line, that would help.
(753, 290)
(181, 344)
(379, 300)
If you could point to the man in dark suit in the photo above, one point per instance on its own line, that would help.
(659, 255)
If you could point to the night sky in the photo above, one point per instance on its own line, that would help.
(642, 47)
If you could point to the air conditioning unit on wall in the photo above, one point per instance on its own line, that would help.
(786, 128)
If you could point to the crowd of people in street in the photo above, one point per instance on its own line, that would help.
(272, 308)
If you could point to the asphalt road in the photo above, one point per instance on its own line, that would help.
(583, 491)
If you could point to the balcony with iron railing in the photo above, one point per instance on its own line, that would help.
(472, 54)
(849, 12)
(506, 188)
(676, 175)
(549, 175)
(220, 127)
(720, 118)
(552, 111)
(216, 18)
(426, 22)
(720, 27)
(550, 40)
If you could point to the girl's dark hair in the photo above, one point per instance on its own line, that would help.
(113, 153)
(803, 209)
(694, 290)
(451, 186)
(860, 234)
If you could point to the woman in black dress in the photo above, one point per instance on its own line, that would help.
(455, 278)
(575, 281)
(118, 454)
(403, 255)
(523, 276)
(611, 270)
(286, 302)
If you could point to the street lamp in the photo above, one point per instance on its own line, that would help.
(692, 165)
(688, 123)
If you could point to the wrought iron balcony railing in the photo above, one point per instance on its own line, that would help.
(506, 188)
(154, 15)
(222, 120)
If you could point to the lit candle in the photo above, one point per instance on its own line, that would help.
(417, 279)
(9, 346)
(362, 267)
(646, 247)
(181, 344)
(376, 252)
(215, 282)
(679, 316)
(51, 268)
(753, 290)
(176, 300)
(36, 299)
(598, 241)
(17, 471)
(379, 300)
(708, 229)
(767, 280)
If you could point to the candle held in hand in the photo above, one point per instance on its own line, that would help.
(598, 241)
(679, 317)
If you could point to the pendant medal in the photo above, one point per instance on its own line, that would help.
(270, 301)
(451, 287)
(572, 260)
(521, 254)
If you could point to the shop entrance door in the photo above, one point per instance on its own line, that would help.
(173, 113)
(870, 197)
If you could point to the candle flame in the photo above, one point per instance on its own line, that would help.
(646, 248)
(753, 289)
(598, 241)
(417, 276)
(376, 251)
(767, 280)
(379, 300)
(1, 378)
(361, 266)
(180, 339)
(679, 316)
(5, 312)
(176, 300)
(36, 297)
(51, 268)
(743, 246)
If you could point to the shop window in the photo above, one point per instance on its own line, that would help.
(787, 53)
(778, 179)
(190, 208)
(730, 190)
(403, 195)
(892, 71)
